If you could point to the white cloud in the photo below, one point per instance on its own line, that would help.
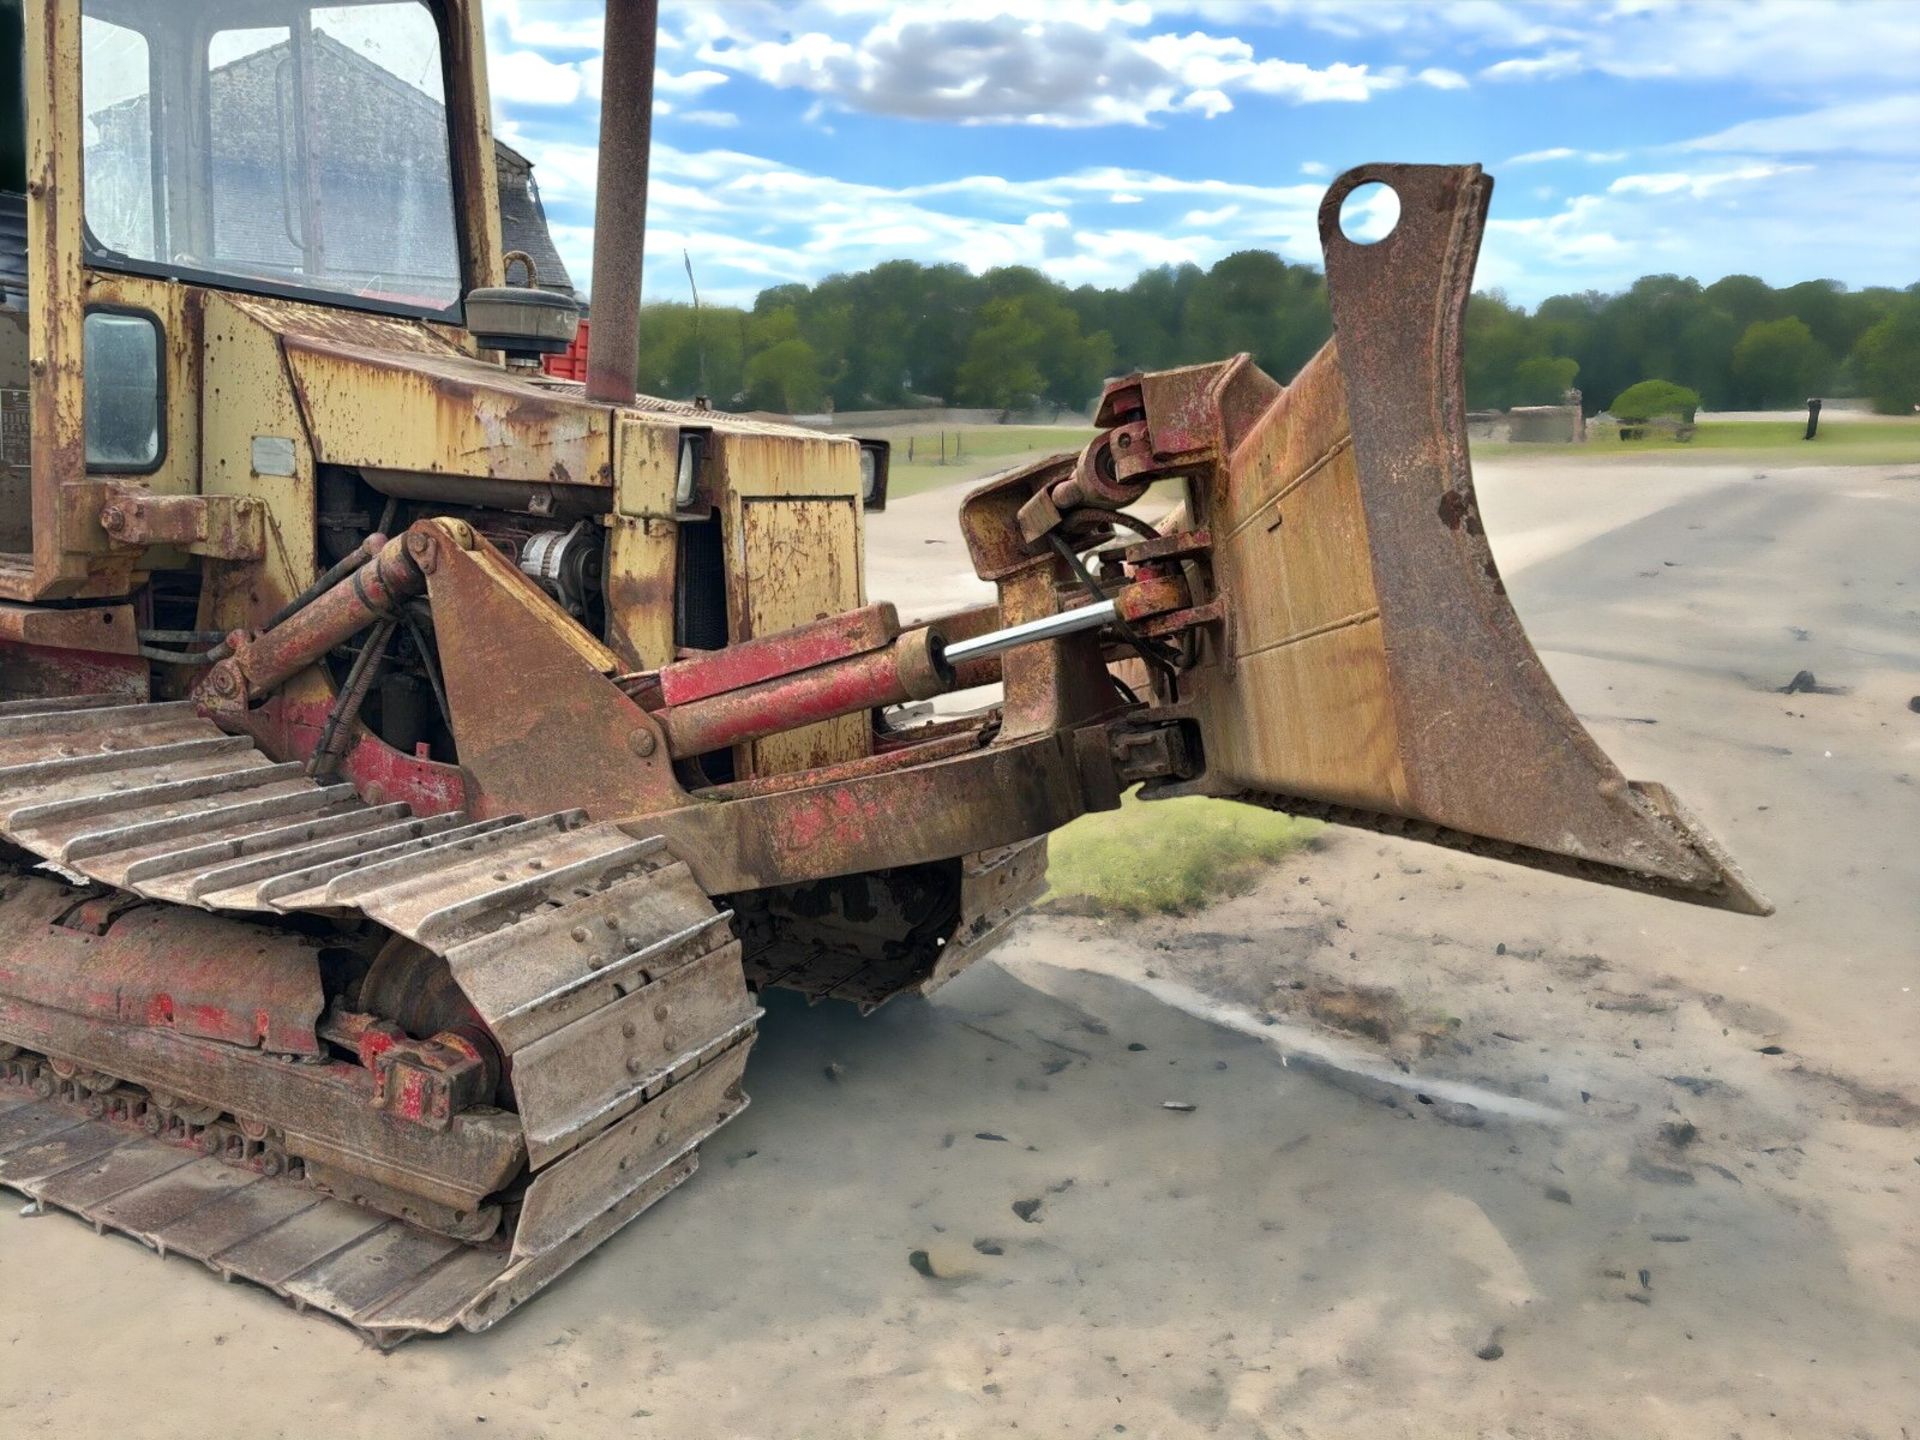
(1889, 125)
(1749, 218)
(1785, 45)
(1210, 103)
(752, 222)
(691, 82)
(521, 77)
(545, 25)
(1536, 67)
(1697, 185)
(1732, 200)
(1561, 152)
(976, 62)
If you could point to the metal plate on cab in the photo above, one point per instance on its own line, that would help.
(273, 455)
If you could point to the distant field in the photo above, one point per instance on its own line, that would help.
(1890, 441)
(972, 451)
(975, 451)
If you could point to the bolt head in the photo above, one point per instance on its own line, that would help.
(641, 742)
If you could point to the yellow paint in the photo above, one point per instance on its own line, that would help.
(247, 394)
(445, 415)
(642, 542)
(795, 553)
(1308, 706)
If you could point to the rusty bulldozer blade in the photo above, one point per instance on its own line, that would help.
(1371, 669)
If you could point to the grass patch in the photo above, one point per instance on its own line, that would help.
(1890, 441)
(1166, 857)
(973, 451)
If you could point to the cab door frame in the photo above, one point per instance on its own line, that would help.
(73, 558)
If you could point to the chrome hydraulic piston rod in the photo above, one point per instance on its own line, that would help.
(1049, 627)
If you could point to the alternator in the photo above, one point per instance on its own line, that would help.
(566, 564)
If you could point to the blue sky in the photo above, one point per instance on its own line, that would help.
(1094, 138)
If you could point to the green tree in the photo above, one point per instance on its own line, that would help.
(1887, 357)
(1655, 399)
(1497, 337)
(1543, 379)
(1778, 362)
(902, 331)
(784, 371)
(1002, 366)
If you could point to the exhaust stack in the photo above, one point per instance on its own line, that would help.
(620, 212)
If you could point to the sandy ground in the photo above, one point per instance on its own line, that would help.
(1568, 1163)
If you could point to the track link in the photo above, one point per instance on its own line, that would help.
(607, 978)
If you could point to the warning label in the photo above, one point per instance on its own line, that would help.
(16, 430)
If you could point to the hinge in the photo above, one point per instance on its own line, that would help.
(221, 527)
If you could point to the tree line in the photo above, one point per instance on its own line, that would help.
(904, 333)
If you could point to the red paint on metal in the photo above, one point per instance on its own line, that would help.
(163, 967)
(291, 729)
(271, 658)
(841, 687)
(35, 672)
(573, 364)
(751, 661)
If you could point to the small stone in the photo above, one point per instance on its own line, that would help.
(1027, 1210)
(1654, 1173)
(1558, 1195)
(944, 1260)
(1185, 1107)
(1501, 948)
(988, 1135)
(1693, 1084)
(1135, 1046)
(1679, 1133)
(1492, 1350)
(989, 1247)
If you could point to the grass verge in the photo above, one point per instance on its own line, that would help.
(1166, 857)
(1891, 441)
(973, 451)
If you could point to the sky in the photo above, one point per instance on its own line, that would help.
(1096, 138)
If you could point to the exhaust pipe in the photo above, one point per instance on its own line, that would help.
(620, 210)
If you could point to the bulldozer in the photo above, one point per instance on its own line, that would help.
(413, 766)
